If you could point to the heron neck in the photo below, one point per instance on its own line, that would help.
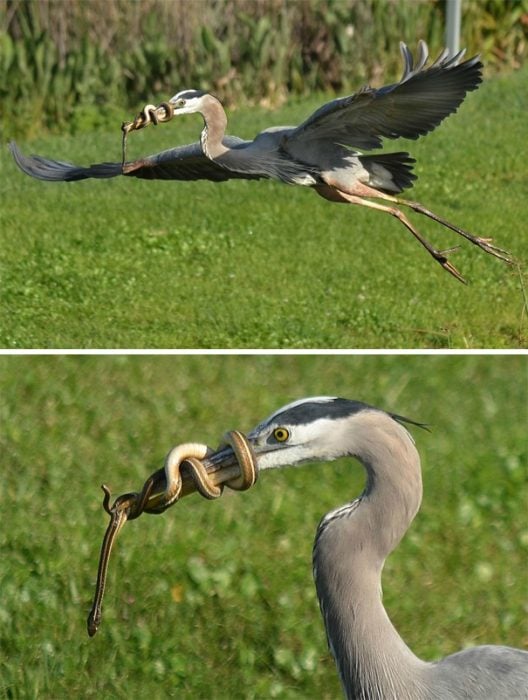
(349, 553)
(215, 124)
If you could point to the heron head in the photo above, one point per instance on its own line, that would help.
(312, 429)
(320, 429)
(188, 101)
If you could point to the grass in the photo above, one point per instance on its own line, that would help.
(122, 263)
(215, 599)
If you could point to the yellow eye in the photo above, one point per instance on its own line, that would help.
(180, 103)
(281, 434)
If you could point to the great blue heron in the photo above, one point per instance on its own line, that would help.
(351, 545)
(323, 152)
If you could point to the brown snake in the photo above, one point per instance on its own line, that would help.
(188, 467)
(150, 114)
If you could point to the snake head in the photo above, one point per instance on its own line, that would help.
(129, 504)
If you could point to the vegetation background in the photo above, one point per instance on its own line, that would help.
(215, 600)
(69, 64)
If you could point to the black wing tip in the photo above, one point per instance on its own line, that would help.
(38, 167)
(444, 61)
(17, 154)
(60, 171)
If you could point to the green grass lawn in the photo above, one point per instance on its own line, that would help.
(125, 263)
(215, 599)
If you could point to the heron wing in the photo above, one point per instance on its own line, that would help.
(186, 163)
(47, 169)
(180, 163)
(410, 108)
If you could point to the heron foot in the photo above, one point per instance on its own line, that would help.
(486, 245)
(441, 257)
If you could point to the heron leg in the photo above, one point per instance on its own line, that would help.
(483, 243)
(439, 255)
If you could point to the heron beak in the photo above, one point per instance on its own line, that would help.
(233, 461)
(222, 466)
(246, 462)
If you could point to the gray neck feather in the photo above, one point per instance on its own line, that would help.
(215, 124)
(374, 662)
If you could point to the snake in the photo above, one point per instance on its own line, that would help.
(150, 114)
(204, 476)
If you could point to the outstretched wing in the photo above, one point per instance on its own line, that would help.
(180, 163)
(186, 163)
(409, 109)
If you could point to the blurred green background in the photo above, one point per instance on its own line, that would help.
(216, 599)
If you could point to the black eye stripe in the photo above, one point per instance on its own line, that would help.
(188, 94)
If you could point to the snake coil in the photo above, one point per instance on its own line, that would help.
(203, 482)
(150, 114)
(190, 457)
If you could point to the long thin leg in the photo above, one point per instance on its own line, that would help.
(439, 255)
(483, 243)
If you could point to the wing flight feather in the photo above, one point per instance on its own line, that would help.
(180, 163)
(410, 108)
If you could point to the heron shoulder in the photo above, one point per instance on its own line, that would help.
(484, 672)
(272, 137)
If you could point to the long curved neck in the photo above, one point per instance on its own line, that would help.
(351, 546)
(215, 124)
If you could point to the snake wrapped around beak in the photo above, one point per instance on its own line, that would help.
(188, 468)
(150, 114)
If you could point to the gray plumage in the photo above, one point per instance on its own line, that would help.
(322, 153)
(351, 545)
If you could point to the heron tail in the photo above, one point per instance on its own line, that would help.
(389, 172)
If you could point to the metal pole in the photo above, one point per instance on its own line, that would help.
(452, 32)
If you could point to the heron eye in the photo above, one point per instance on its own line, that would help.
(281, 434)
(180, 103)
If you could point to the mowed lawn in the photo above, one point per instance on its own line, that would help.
(125, 263)
(216, 599)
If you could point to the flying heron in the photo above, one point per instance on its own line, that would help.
(324, 152)
(352, 544)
